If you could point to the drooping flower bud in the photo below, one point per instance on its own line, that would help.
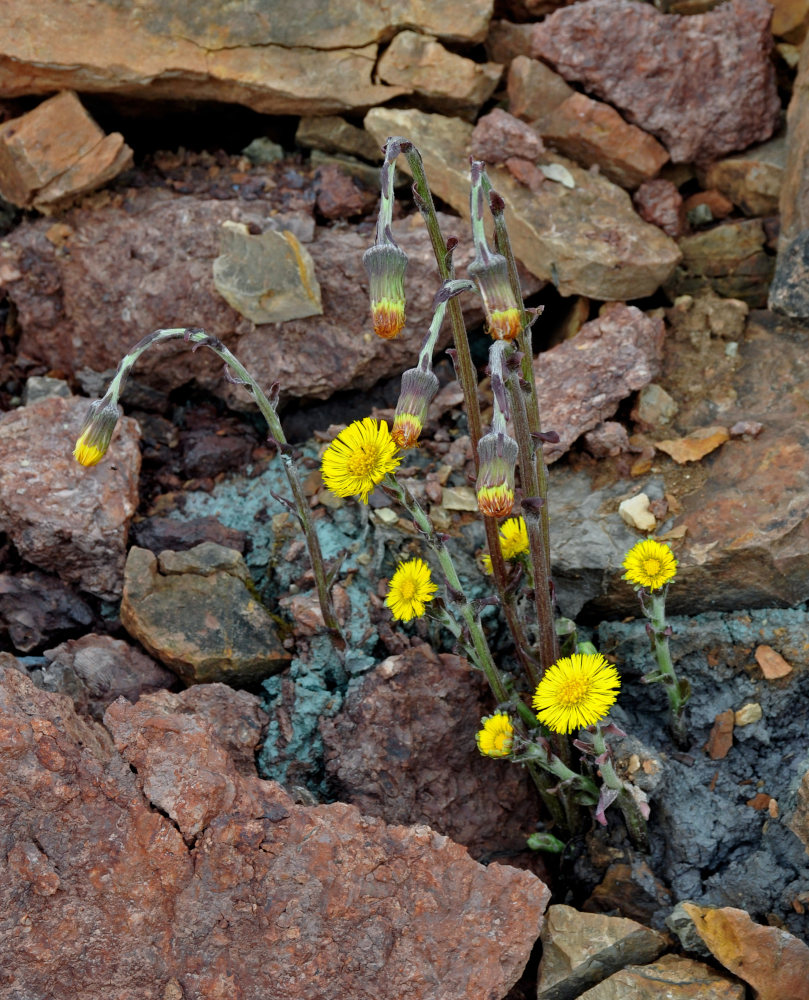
(417, 391)
(497, 454)
(386, 265)
(503, 315)
(96, 432)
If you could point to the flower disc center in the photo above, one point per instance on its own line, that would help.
(573, 691)
(361, 463)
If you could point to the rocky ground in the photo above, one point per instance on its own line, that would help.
(199, 799)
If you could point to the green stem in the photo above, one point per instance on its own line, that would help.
(635, 823)
(675, 692)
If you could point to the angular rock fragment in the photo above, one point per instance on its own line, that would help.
(752, 180)
(333, 134)
(671, 976)
(34, 607)
(659, 202)
(534, 90)
(498, 136)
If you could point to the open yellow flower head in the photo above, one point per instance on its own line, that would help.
(513, 537)
(96, 432)
(576, 691)
(650, 564)
(410, 588)
(497, 736)
(359, 458)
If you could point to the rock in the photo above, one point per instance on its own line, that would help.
(268, 278)
(581, 381)
(654, 407)
(607, 440)
(97, 669)
(263, 150)
(614, 256)
(660, 202)
(772, 664)
(731, 258)
(499, 136)
(402, 748)
(790, 19)
(774, 963)
(441, 80)
(41, 386)
(239, 910)
(721, 739)
(705, 207)
(629, 887)
(696, 446)
(799, 820)
(506, 40)
(60, 515)
(57, 152)
(338, 196)
(534, 90)
(581, 949)
(704, 85)
(752, 180)
(747, 714)
(195, 611)
(789, 283)
(158, 533)
(637, 513)
(333, 134)
(680, 978)
(34, 607)
(593, 133)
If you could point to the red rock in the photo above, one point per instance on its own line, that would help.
(607, 440)
(499, 136)
(60, 515)
(721, 738)
(772, 664)
(338, 197)
(659, 202)
(719, 206)
(525, 172)
(703, 84)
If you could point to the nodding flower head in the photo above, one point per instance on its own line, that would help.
(96, 432)
(418, 388)
(503, 313)
(497, 454)
(386, 265)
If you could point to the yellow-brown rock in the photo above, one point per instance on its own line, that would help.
(56, 152)
(672, 977)
(752, 180)
(773, 962)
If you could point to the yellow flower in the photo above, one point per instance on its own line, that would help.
(410, 588)
(496, 737)
(359, 458)
(576, 691)
(96, 432)
(513, 541)
(650, 564)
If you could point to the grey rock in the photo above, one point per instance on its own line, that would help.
(41, 386)
(789, 290)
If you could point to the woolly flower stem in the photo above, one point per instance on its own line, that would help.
(635, 822)
(677, 691)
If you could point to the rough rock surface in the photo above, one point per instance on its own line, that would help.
(34, 607)
(752, 180)
(581, 381)
(101, 892)
(671, 976)
(402, 748)
(617, 256)
(196, 612)
(60, 515)
(660, 202)
(499, 135)
(704, 84)
(534, 90)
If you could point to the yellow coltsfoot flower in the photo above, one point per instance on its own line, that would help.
(576, 691)
(497, 736)
(96, 432)
(359, 458)
(513, 541)
(650, 564)
(410, 589)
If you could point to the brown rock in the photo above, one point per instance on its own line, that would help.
(751, 180)
(721, 738)
(581, 949)
(607, 440)
(506, 40)
(60, 515)
(774, 963)
(333, 134)
(338, 197)
(402, 748)
(195, 611)
(696, 445)
(772, 664)
(35, 606)
(499, 136)
(525, 172)
(586, 238)
(671, 976)
(593, 133)
(157, 533)
(790, 19)
(264, 902)
(581, 381)
(704, 85)
(442, 80)
(534, 90)
(103, 669)
(56, 152)
(659, 202)
(630, 889)
(799, 820)
(716, 203)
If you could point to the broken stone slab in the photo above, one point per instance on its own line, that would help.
(498, 136)
(672, 976)
(772, 961)
(269, 278)
(752, 180)
(580, 949)
(238, 911)
(333, 134)
(57, 152)
(442, 80)
(506, 40)
(587, 238)
(197, 613)
(704, 85)
(61, 516)
(534, 89)
(660, 202)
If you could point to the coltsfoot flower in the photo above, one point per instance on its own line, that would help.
(410, 588)
(650, 564)
(359, 458)
(503, 314)
(513, 541)
(576, 691)
(386, 265)
(96, 432)
(497, 453)
(496, 737)
(417, 391)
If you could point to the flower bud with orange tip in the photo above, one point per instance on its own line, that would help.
(386, 265)
(497, 454)
(96, 432)
(419, 386)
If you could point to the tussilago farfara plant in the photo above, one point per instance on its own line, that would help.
(570, 694)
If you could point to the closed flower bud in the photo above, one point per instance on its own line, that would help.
(503, 313)
(415, 396)
(497, 454)
(386, 265)
(96, 432)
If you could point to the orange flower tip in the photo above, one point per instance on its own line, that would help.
(495, 501)
(406, 430)
(505, 324)
(389, 319)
